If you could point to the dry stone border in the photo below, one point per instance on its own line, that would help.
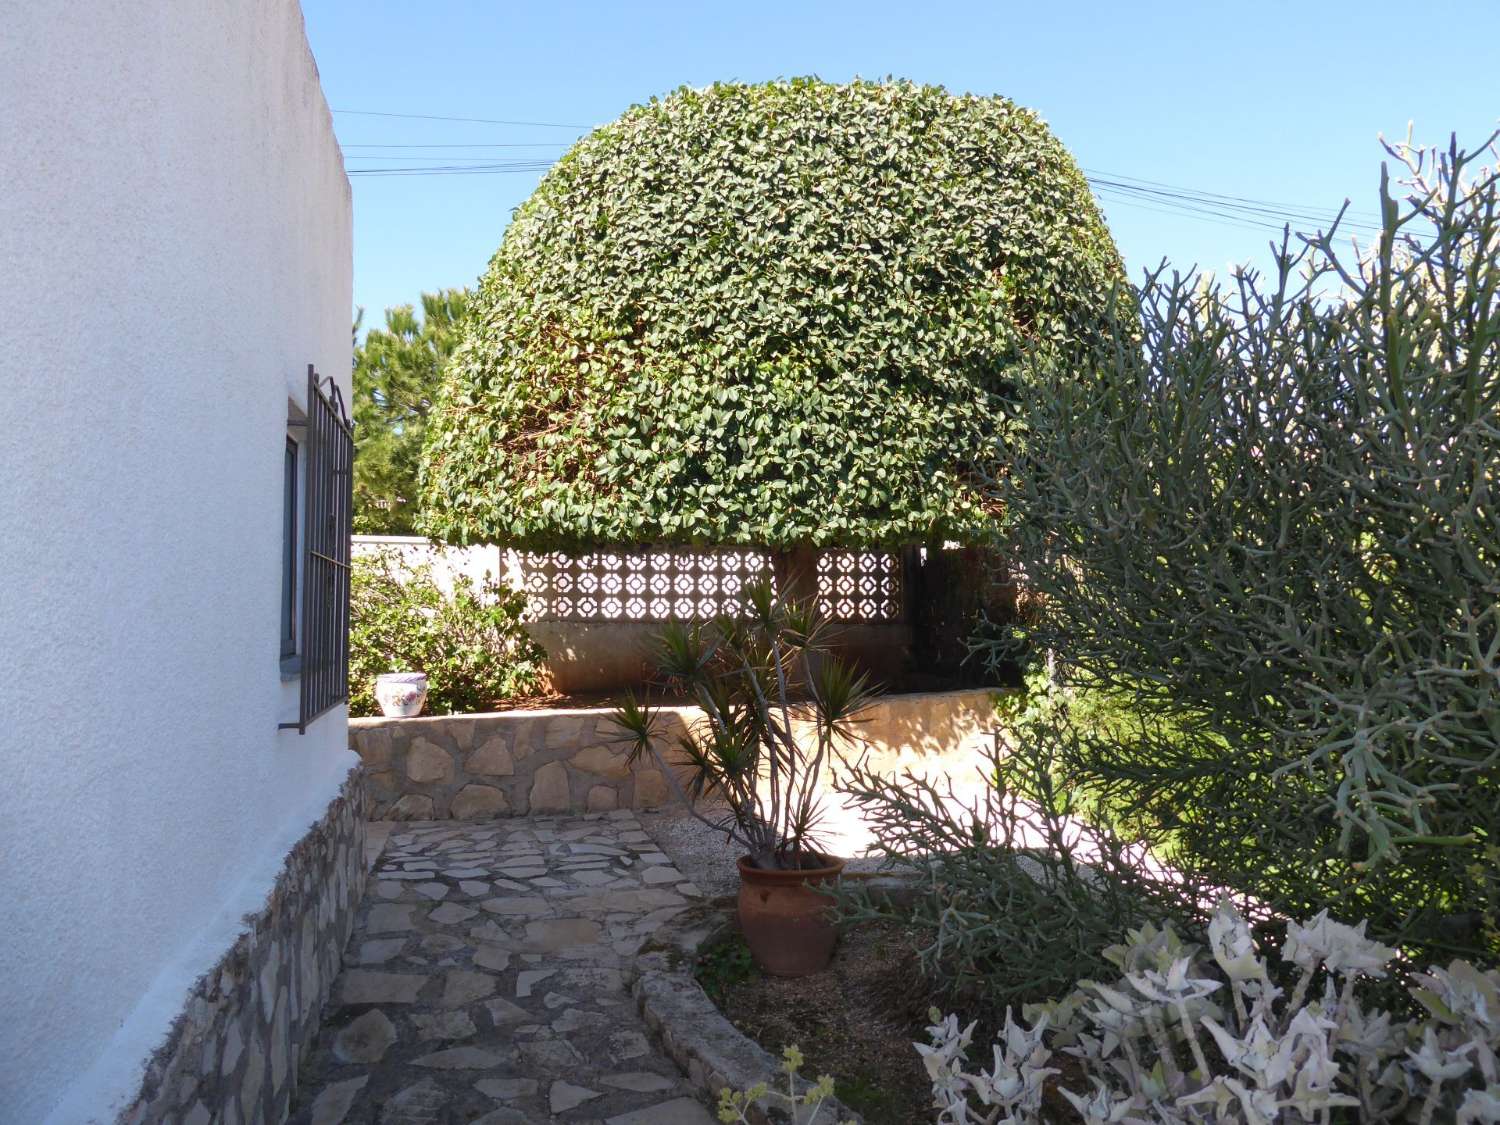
(486, 981)
(710, 1050)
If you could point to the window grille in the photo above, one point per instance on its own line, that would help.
(328, 521)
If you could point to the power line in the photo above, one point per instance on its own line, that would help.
(470, 120)
(1244, 212)
(1094, 173)
(511, 144)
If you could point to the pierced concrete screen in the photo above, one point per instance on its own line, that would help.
(859, 586)
(666, 584)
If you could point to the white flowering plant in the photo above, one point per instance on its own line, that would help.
(1228, 1034)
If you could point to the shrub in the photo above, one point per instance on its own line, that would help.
(1267, 517)
(1236, 1036)
(761, 681)
(785, 315)
(469, 641)
(1022, 890)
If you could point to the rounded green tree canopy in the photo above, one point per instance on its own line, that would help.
(784, 315)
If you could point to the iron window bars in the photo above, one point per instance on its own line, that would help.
(327, 523)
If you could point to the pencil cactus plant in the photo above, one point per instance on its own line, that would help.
(1267, 516)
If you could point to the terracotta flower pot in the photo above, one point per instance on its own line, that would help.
(786, 923)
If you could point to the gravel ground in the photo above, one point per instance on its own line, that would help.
(707, 857)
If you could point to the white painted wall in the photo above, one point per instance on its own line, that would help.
(500, 564)
(174, 250)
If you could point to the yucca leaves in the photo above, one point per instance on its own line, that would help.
(776, 709)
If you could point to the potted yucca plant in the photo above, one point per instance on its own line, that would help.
(776, 707)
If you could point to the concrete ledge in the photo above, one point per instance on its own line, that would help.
(469, 767)
(712, 1052)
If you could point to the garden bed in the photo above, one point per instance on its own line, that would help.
(856, 1020)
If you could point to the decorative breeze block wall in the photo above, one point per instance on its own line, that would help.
(663, 584)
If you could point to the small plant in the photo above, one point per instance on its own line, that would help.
(805, 1104)
(470, 642)
(723, 966)
(776, 709)
(1228, 1034)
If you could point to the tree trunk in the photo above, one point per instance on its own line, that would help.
(794, 573)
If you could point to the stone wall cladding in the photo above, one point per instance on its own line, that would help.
(233, 1054)
(568, 761)
(506, 763)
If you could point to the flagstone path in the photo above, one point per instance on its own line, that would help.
(486, 981)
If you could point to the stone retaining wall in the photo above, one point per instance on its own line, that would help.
(519, 762)
(233, 1054)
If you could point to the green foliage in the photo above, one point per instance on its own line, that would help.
(776, 710)
(724, 965)
(789, 314)
(397, 371)
(1274, 527)
(802, 1102)
(1023, 890)
(470, 642)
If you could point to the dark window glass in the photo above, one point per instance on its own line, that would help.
(289, 553)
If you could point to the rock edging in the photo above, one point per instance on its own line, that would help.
(710, 1050)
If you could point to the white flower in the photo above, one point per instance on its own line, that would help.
(1173, 986)
(1463, 995)
(1480, 1107)
(1104, 1106)
(1438, 1064)
(1343, 949)
(1233, 947)
(1020, 1071)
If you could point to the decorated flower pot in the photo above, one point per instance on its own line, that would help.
(401, 694)
(787, 924)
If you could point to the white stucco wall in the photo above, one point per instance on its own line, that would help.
(174, 251)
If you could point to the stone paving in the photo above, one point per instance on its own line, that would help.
(486, 981)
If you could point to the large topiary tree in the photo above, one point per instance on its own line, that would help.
(790, 315)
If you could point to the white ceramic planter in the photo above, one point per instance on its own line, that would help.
(401, 694)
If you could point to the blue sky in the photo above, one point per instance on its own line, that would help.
(1270, 101)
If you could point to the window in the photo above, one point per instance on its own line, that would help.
(322, 626)
(289, 554)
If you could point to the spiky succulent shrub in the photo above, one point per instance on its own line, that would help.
(1181, 1034)
(1267, 517)
(786, 315)
(776, 710)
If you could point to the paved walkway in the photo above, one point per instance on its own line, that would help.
(485, 981)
